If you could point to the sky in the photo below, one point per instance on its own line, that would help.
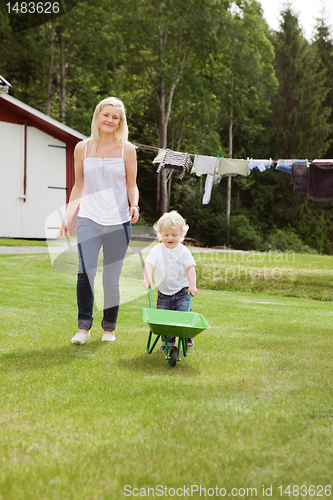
(307, 10)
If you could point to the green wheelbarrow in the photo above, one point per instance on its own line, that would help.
(167, 323)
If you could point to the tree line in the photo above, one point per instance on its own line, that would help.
(198, 76)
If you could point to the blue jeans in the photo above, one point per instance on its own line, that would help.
(114, 239)
(177, 302)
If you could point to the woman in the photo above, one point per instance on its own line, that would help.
(105, 179)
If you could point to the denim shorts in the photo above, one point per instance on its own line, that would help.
(177, 302)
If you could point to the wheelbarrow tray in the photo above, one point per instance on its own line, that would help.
(174, 323)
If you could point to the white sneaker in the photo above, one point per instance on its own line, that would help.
(80, 338)
(108, 337)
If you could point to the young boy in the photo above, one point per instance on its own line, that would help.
(175, 275)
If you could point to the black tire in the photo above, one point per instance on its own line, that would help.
(173, 354)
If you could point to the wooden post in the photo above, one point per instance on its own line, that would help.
(231, 124)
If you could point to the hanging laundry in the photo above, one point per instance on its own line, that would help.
(286, 165)
(320, 184)
(204, 165)
(322, 161)
(230, 166)
(210, 180)
(160, 156)
(299, 177)
(260, 165)
(175, 161)
(208, 189)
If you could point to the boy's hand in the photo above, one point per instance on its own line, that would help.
(147, 274)
(193, 290)
(146, 284)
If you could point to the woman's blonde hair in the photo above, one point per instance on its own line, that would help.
(121, 133)
(170, 220)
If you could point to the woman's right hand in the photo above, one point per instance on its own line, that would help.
(63, 231)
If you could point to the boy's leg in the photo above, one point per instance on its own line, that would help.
(165, 302)
(181, 302)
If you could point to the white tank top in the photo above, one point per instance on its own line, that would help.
(104, 198)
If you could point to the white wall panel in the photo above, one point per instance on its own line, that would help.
(45, 177)
(11, 178)
(46, 180)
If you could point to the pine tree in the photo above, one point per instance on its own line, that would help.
(324, 44)
(301, 117)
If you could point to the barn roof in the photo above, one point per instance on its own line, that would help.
(15, 111)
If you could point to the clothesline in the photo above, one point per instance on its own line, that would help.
(312, 177)
(156, 148)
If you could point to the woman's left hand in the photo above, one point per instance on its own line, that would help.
(134, 213)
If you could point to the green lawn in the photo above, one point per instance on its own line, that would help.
(13, 242)
(279, 273)
(250, 407)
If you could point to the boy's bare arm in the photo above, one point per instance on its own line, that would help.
(192, 279)
(147, 273)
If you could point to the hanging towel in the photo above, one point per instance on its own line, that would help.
(320, 184)
(299, 177)
(204, 165)
(210, 180)
(322, 161)
(176, 161)
(260, 165)
(286, 165)
(230, 166)
(208, 189)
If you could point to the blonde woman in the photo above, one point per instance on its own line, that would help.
(105, 185)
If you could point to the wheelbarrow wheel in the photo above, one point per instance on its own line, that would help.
(173, 354)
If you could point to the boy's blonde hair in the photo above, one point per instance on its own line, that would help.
(170, 220)
(121, 133)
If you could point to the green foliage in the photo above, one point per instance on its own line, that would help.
(243, 235)
(224, 76)
(323, 43)
(288, 241)
(246, 82)
(301, 118)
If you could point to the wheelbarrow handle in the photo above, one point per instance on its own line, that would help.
(190, 303)
(149, 297)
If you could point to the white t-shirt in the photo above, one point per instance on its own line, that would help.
(170, 264)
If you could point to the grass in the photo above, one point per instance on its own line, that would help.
(276, 273)
(251, 405)
(13, 242)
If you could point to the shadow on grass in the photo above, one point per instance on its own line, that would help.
(156, 364)
(43, 358)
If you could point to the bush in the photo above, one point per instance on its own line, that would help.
(243, 236)
(288, 241)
